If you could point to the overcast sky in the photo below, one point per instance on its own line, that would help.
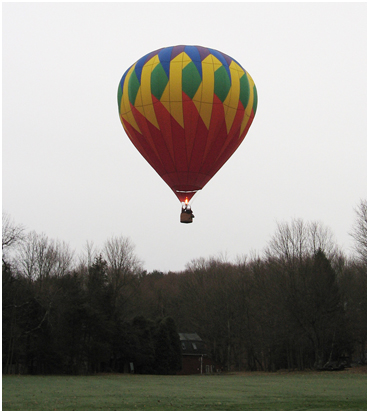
(70, 171)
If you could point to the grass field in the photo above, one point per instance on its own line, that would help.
(345, 390)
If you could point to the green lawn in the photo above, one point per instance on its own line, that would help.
(254, 391)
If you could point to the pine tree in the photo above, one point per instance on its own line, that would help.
(175, 353)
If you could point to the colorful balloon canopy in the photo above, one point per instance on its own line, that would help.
(186, 109)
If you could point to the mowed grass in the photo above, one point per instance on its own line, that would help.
(250, 391)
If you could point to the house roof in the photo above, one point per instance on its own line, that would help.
(192, 344)
(189, 337)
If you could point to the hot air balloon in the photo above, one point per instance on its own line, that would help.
(186, 109)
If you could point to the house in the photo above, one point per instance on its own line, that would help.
(195, 359)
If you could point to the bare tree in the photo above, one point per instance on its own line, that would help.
(300, 256)
(64, 259)
(89, 254)
(39, 257)
(197, 264)
(120, 256)
(289, 242)
(295, 241)
(124, 269)
(12, 234)
(321, 237)
(359, 231)
(26, 257)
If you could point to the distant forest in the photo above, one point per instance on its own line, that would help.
(299, 304)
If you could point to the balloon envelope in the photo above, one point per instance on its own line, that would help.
(186, 109)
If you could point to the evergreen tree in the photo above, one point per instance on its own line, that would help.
(69, 321)
(175, 352)
(162, 348)
(99, 327)
(144, 351)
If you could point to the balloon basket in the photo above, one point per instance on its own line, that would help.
(186, 218)
(186, 215)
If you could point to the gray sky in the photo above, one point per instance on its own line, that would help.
(70, 171)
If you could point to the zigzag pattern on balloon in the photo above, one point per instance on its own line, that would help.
(186, 109)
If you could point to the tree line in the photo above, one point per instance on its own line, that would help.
(299, 304)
